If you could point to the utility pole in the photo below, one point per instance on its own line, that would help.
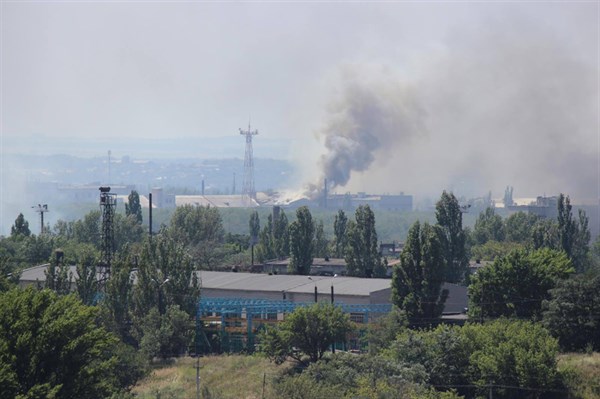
(41, 209)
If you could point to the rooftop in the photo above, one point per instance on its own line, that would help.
(292, 283)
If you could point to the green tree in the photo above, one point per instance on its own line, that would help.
(166, 335)
(254, 225)
(127, 231)
(58, 275)
(346, 375)
(573, 235)
(312, 330)
(571, 313)
(384, 330)
(321, 244)
(8, 277)
(21, 227)
(567, 228)
(200, 231)
(302, 232)
(36, 249)
(362, 254)
(509, 358)
(339, 229)
(280, 236)
(87, 230)
(192, 225)
(118, 300)
(133, 206)
(417, 280)
(517, 284)
(519, 227)
(265, 249)
(545, 234)
(449, 218)
(166, 276)
(87, 277)
(254, 228)
(488, 227)
(494, 249)
(52, 346)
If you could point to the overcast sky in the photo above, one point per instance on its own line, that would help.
(469, 96)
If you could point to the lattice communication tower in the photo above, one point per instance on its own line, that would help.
(108, 204)
(248, 181)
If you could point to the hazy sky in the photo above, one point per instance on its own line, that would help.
(404, 96)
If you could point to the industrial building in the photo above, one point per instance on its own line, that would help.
(281, 287)
(234, 307)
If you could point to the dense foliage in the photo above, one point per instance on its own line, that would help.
(362, 248)
(517, 284)
(505, 358)
(302, 233)
(54, 346)
(417, 280)
(449, 219)
(571, 313)
(306, 333)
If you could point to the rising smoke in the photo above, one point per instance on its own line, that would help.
(370, 114)
(495, 107)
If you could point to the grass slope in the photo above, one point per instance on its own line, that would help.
(583, 374)
(223, 377)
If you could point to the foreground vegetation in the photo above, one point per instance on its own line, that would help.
(225, 376)
(73, 336)
(242, 376)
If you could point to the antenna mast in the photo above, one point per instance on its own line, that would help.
(108, 203)
(248, 181)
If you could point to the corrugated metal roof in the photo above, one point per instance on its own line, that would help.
(262, 282)
(292, 283)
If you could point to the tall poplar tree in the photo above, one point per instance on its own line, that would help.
(417, 280)
(362, 252)
(302, 232)
(133, 206)
(449, 219)
(339, 229)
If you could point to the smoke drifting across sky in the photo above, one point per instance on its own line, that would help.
(379, 97)
(506, 101)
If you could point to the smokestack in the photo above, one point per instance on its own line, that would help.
(150, 215)
(202, 186)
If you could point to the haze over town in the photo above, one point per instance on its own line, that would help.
(387, 97)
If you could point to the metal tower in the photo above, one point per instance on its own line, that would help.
(108, 203)
(248, 181)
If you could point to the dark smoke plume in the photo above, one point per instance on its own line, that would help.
(369, 116)
(496, 107)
